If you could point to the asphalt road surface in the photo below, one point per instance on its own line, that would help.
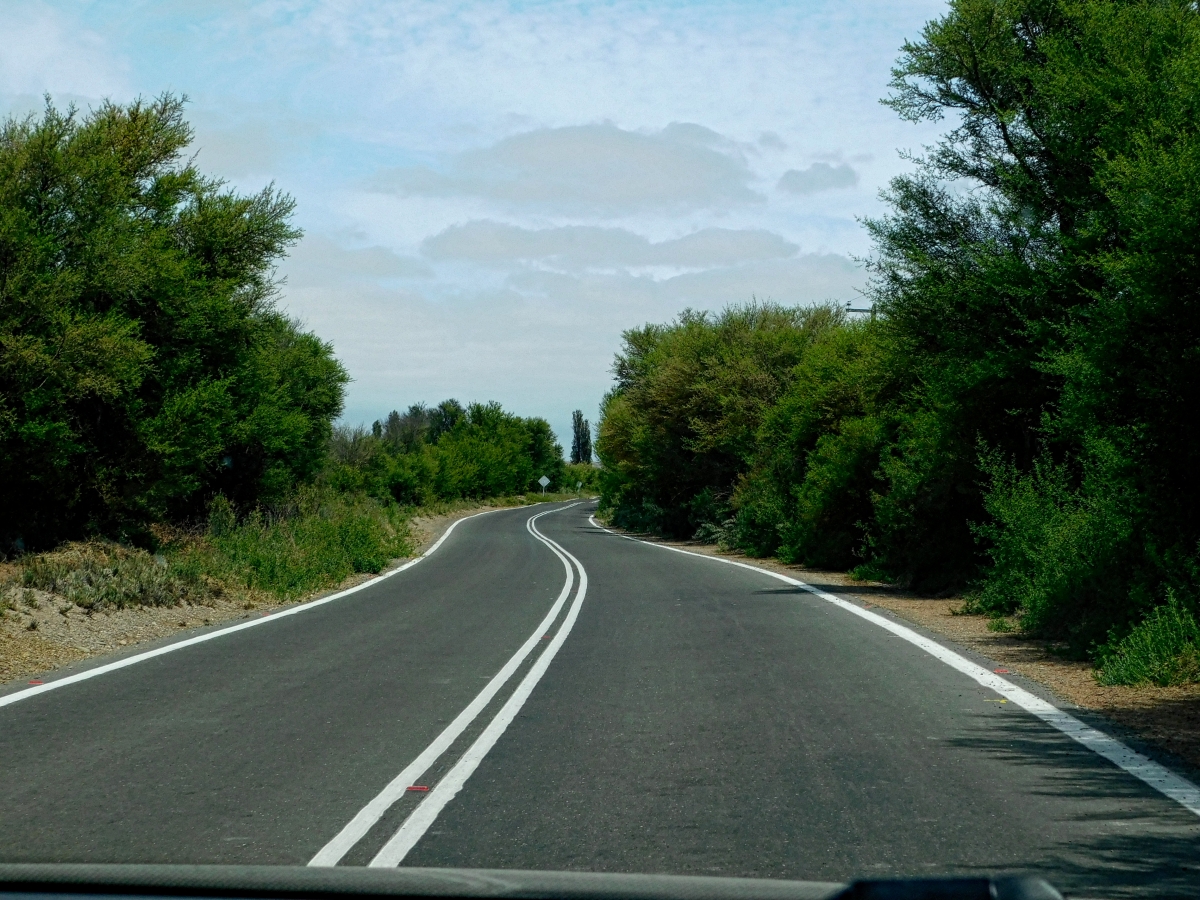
(575, 700)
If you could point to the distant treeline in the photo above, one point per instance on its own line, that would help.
(446, 452)
(1020, 417)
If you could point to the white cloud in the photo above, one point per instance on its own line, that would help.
(498, 342)
(320, 260)
(769, 140)
(587, 247)
(45, 52)
(804, 279)
(545, 234)
(255, 143)
(598, 170)
(819, 176)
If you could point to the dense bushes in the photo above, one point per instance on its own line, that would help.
(1019, 417)
(446, 452)
(147, 383)
(143, 368)
(586, 475)
(682, 421)
(757, 427)
(315, 540)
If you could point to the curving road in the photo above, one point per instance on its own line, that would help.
(571, 699)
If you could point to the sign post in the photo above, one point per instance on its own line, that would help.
(543, 481)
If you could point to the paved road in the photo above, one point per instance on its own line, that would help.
(695, 718)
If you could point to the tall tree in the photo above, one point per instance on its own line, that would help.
(143, 366)
(581, 438)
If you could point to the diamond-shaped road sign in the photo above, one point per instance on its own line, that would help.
(543, 481)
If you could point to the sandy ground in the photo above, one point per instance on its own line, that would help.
(1167, 719)
(64, 633)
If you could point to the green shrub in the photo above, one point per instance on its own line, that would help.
(1060, 552)
(314, 543)
(832, 511)
(585, 473)
(681, 426)
(100, 575)
(1164, 649)
(143, 366)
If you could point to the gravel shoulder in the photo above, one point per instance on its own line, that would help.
(66, 634)
(1165, 719)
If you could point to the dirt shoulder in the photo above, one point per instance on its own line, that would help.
(1165, 718)
(66, 634)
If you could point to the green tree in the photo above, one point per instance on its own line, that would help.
(581, 438)
(143, 367)
(680, 427)
(1077, 120)
(1020, 416)
(418, 458)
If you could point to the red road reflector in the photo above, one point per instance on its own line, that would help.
(1001, 671)
(37, 681)
(417, 787)
(545, 637)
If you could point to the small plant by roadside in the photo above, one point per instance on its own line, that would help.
(267, 555)
(98, 575)
(1164, 650)
(315, 542)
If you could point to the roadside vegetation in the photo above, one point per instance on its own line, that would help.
(1017, 419)
(167, 435)
(445, 452)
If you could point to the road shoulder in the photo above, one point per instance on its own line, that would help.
(66, 637)
(1166, 721)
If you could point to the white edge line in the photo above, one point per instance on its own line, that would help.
(221, 632)
(365, 819)
(418, 822)
(1157, 776)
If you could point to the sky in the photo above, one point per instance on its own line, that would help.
(491, 193)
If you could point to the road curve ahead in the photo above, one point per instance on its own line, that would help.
(570, 699)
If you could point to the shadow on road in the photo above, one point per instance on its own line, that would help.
(1122, 839)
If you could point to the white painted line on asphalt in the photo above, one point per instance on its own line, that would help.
(222, 632)
(423, 816)
(1136, 764)
(365, 820)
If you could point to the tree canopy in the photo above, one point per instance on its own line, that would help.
(143, 365)
(1018, 416)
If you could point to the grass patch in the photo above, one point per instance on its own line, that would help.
(869, 571)
(1001, 625)
(99, 575)
(1164, 650)
(268, 556)
(315, 543)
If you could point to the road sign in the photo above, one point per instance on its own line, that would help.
(543, 481)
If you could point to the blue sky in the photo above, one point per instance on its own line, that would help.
(492, 192)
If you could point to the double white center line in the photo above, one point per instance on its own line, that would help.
(434, 802)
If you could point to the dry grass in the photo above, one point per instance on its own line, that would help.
(92, 607)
